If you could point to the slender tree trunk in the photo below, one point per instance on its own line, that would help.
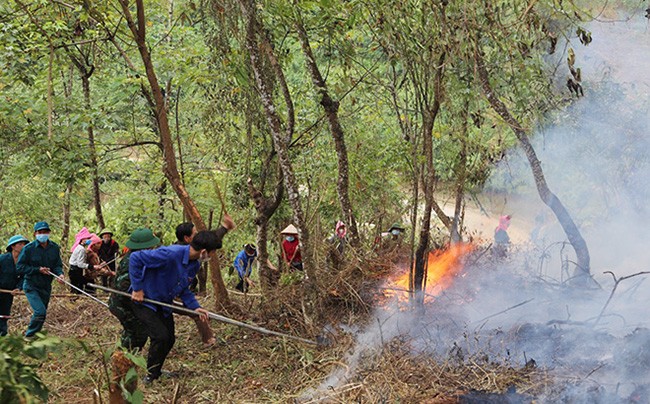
(170, 168)
(265, 209)
(429, 115)
(549, 198)
(97, 202)
(279, 139)
(461, 176)
(66, 214)
(331, 108)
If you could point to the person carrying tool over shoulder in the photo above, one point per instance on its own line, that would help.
(161, 275)
(36, 261)
(134, 335)
(10, 279)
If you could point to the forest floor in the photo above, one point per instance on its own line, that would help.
(245, 366)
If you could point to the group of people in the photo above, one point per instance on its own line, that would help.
(146, 272)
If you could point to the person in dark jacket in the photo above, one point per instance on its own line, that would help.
(244, 266)
(36, 261)
(161, 275)
(501, 237)
(10, 279)
(108, 252)
(134, 335)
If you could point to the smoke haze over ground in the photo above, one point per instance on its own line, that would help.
(595, 158)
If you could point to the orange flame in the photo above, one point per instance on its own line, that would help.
(442, 266)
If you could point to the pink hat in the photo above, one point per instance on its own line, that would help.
(94, 239)
(82, 235)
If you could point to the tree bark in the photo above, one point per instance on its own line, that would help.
(429, 115)
(461, 175)
(66, 214)
(97, 202)
(279, 139)
(170, 168)
(549, 198)
(331, 108)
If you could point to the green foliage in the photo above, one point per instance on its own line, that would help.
(19, 360)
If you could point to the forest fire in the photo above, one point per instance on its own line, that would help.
(441, 267)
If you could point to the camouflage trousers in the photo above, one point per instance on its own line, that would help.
(134, 334)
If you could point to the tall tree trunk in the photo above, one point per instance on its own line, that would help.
(170, 168)
(280, 141)
(429, 115)
(461, 176)
(549, 198)
(97, 202)
(265, 208)
(331, 108)
(66, 214)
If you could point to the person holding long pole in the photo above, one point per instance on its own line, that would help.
(161, 275)
(9, 278)
(38, 262)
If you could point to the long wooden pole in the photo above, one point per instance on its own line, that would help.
(213, 316)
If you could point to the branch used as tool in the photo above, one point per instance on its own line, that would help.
(213, 316)
(220, 196)
(76, 288)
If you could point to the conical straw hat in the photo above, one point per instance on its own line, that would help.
(291, 229)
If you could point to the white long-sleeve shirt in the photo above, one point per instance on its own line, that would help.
(78, 257)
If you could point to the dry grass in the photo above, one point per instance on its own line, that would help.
(248, 367)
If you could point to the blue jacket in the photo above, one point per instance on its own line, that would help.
(244, 263)
(9, 277)
(32, 257)
(163, 274)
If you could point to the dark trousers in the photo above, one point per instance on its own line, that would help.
(77, 278)
(160, 330)
(6, 301)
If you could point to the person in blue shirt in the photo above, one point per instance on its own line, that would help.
(10, 279)
(244, 266)
(36, 261)
(162, 275)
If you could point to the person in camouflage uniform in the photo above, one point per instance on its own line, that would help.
(134, 335)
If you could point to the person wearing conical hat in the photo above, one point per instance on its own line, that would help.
(291, 247)
(134, 334)
(10, 279)
(108, 252)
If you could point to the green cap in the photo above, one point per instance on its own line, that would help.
(142, 238)
(397, 226)
(41, 226)
(15, 239)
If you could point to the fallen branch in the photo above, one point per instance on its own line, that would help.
(616, 282)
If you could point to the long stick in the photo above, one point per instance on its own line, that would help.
(213, 316)
(76, 288)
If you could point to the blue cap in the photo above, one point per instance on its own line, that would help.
(41, 226)
(15, 239)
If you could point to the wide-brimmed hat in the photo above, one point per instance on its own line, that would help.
(291, 229)
(105, 231)
(94, 239)
(250, 247)
(82, 235)
(142, 238)
(396, 226)
(15, 239)
(41, 226)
